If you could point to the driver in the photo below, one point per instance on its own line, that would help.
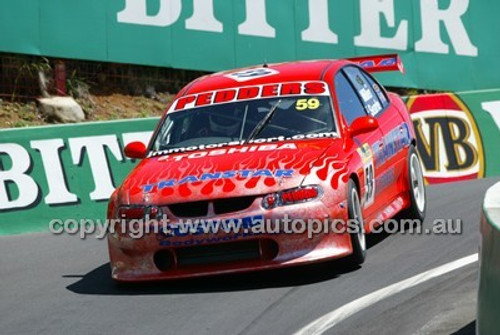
(225, 126)
(222, 123)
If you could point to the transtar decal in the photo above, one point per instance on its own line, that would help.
(277, 174)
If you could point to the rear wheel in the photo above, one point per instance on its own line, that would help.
(358, 238)
(417, 193)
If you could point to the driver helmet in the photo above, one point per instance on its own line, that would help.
(225, 124)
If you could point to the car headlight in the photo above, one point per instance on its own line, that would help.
(292, 196)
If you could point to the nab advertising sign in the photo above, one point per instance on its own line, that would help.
(445, 44)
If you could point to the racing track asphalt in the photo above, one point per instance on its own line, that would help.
(61, 285)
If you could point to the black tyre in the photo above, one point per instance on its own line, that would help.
(358, 238)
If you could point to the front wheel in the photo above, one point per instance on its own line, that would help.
(417, 193)
(358, 238)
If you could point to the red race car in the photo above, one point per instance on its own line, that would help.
(267, 167)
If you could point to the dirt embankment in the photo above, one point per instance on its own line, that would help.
(96, 107)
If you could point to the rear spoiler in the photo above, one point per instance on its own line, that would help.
(379, 63)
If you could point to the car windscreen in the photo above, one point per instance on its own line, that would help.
(279, 117)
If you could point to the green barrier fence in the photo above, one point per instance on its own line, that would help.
(63, 172)
(445, 44)
(69, 171)
(488, 321)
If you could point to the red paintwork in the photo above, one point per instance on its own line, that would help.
(136, 150)
(328, 162)
(363, 125)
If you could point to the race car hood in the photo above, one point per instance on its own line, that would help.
(230, 171)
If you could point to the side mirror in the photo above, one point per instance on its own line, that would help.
(363, 125)
(136, 150)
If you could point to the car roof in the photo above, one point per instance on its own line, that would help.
(286, 72)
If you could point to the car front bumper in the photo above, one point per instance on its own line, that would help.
(155, 256)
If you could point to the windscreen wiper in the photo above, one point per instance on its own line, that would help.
(264, 122)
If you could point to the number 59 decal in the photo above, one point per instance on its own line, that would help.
(311, 104)
(366, 154)
(369, 184)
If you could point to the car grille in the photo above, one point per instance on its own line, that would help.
(189, 209)
(218, 253)
(221, 206)
(222, 253)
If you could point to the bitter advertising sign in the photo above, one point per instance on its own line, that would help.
(445, 44)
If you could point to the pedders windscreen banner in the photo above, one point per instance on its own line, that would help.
(69, 172)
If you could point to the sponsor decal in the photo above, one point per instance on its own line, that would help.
(390, 210)
(378, 63)
(267, 173)
(370, 101)
(250, 74)
(249, 93)
(365, 93)
(207, 240)
(219, 152)
(374, 107)
(221, 148)
(365, 152)
(380, 94)
(393, 142)
(449, 143)
(385, 180)
(209, 226)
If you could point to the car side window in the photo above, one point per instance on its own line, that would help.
(379, 90)
(347, 99)
(366, 92)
